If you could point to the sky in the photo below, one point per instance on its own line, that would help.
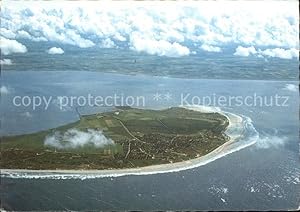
(167, 29)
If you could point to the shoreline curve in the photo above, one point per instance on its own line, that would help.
(240, 130)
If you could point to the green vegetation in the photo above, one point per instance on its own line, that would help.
(141, 138)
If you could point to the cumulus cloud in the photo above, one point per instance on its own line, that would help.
(23, 34)
(276, 52)
(27, 114)
(245, 51)
(107, 43)
(6, 62)
(291, 87)
(4, 90)
(71, 37)
(74, 138)
(102, 24)
(210, 48)
(58, 104)
(55, 50)
(271, 141)
(158, 47)
(11, 46)
(7, 33)
(281, 53)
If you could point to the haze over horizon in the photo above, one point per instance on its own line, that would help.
(209, 39)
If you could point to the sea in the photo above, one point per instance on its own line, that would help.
(262, 176)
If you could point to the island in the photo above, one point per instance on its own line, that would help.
(120, 139)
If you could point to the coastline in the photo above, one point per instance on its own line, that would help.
(236, 130)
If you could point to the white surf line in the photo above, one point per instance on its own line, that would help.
(237, 130)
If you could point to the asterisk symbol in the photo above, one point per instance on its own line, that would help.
(168, 96)
(157, 97)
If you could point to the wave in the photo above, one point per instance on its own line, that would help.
(241, 131)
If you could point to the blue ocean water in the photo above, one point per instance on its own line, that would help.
(263, 176)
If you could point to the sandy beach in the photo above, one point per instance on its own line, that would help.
(236, 129)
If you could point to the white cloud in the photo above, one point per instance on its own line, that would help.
(74, 138)
(38, 39)
(281, 53)
(27, 114)
(245, 51)
(4, 90)
(24, 34)
(276, 52)
(271, 142)
(119, 37)
(58, 104)
(107, 43)
(6, 62)
(7, 33)
(216, 24)
(55, 50)
(291, 87)
(210, 48)
(157, 47)
(71, 37)
(11, 46)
